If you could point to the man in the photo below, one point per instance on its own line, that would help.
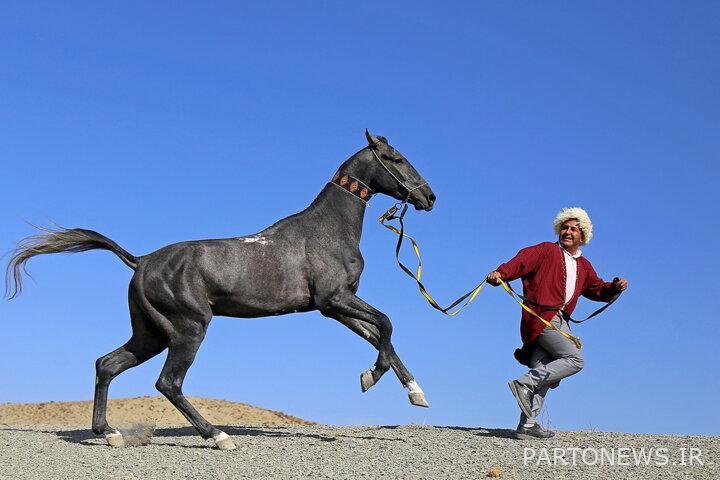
(555, 275)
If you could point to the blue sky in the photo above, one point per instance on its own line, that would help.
(158, 123)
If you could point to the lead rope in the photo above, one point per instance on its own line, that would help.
(390, 215)
(470, 296)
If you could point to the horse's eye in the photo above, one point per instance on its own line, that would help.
(392, 158)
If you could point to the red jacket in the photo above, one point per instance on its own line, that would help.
(542, 269)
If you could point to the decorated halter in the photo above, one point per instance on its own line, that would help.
(352, 185)
(359, 189)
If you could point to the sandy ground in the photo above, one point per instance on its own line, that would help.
(317, 451)
(154, 410)
(283, 447)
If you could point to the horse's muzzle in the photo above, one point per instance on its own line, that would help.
(423, 198)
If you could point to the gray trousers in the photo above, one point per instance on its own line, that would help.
(554, 358)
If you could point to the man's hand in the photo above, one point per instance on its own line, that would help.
(620, 284)
(493, 278)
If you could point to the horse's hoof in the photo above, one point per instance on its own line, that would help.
(224, 442)
(115, 439)
(366, 380)
(418, 399)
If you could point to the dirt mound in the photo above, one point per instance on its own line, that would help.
(157, 410)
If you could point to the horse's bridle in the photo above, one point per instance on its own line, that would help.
(361, 190)
(400, 182)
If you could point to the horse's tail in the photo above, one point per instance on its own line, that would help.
(57, 241)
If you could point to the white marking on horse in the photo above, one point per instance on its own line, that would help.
(413, 387)
(416, 395)
(256, 239)
(115, 439)
(224, 442)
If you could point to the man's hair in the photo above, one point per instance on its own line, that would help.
(583, 219)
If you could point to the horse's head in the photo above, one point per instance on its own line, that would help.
(385, 170)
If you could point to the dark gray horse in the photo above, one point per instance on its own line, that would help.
(307, 261)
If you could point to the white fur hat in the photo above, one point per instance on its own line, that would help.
(583, 222)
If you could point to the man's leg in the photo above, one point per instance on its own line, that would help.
(539, 358)
(568, 359)
(554, 358)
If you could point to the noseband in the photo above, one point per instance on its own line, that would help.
(400, 182)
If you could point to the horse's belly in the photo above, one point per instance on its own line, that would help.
(250, 306)
(253, 295)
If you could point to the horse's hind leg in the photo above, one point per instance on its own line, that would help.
(181, 354)
(145, 343)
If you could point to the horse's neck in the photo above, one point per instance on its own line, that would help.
(339, 211)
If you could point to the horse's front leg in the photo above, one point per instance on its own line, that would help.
(375, 327)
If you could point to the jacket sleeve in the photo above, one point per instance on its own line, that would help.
(521, 264)
(596, 288)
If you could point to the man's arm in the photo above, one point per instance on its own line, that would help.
(521, 264)
(601, 291)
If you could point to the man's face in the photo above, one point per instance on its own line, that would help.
(570, 235)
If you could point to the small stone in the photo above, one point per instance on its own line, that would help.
(494, 472)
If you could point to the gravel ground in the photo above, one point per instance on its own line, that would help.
(353, 452)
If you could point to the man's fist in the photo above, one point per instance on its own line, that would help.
(493, 278)
(620, 284)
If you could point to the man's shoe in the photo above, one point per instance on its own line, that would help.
(523, 395)
(533, 433)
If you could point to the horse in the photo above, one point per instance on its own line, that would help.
(308, 261)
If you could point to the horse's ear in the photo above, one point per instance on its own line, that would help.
(372, 139)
